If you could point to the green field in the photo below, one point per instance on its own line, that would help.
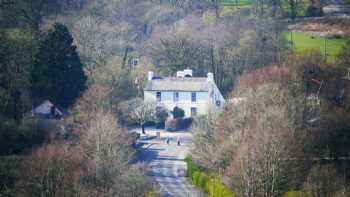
(228, 7)
(236, 2)
(303, 41)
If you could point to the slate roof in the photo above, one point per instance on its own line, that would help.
(189, 84)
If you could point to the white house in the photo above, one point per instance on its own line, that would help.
(195, 95)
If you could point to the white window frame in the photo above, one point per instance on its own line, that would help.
(159, 98)
(176, 96)
(193, 98)
(194, 111)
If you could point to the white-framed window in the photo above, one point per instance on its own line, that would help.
(193, 97)
(176, 96)
(193, 111)
(159, 96)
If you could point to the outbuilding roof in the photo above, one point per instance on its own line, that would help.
(189, 84)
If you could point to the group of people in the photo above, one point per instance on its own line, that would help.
(178, 140)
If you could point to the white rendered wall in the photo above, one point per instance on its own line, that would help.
(202, 103)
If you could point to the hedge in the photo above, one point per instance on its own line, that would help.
(217, 189)
(294, 194)
(212, 185)
(191, 167)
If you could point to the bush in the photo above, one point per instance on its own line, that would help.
(178, 112)
(161, 116)
(170, 125)
(178, 124)
(191, 167)
(203, 181)
(16, 138)
(217, 189)
(9, 173)
(210, 185)
(294, 194)
(195, 177)
(153, 194)
(313, 11)
(184, 123)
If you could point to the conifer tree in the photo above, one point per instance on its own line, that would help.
(57, 73)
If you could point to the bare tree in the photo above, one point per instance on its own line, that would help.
(53, 170)
(324, 181)
(139, 111)
(109, 151)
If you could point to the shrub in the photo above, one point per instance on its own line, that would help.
(15, 138)
(184, 123)
(195, 178)
(294, 194)
(51, 170)
(178, 124)
(313, 11)
(153, 194)
(9, 173)
(203, 180)
(170, 125)
(191, 167)
(323, 180)
(210, 185)
(161, 116)
(178, 112)
(216, 188)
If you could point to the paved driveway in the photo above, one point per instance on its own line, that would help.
(166, 164)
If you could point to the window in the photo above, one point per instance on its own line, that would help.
(193, 111)
(159, 96)
(176, 96)
(193, 97)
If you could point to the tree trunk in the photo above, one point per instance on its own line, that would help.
(143, 128)
(17, 106)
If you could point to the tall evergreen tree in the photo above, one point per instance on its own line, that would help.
(57, 73)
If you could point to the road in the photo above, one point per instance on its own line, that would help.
(166, 165)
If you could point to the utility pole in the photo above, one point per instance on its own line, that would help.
(325, 49)
(291, 40)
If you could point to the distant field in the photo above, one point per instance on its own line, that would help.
(236, 2)
(304, 41)
(230, 6)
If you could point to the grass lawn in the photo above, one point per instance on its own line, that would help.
(228, 7)
(304, 41)
(236, 3)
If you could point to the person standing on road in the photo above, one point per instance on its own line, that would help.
(167, 140)
(178, 141)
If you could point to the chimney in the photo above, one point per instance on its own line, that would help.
(210, 77)
(150, 75)
(188, 73)
(180, 74)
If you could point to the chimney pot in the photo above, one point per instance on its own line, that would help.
(188, 73)
(180, 74)
(210, 77)
(150, 75)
